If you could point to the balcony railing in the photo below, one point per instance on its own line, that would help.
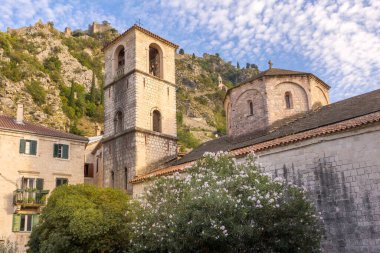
(119, 73)
(30, 197)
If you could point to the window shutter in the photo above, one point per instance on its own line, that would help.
(33, 147)
(40, 184)
(16, 222)
(35, 219)
(55, 152)
(22, 146)
(65, 154)
(91, 170)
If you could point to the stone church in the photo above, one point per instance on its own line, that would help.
(284, 116)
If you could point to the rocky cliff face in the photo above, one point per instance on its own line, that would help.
(59, 78)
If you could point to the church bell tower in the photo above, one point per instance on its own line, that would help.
(140, 106)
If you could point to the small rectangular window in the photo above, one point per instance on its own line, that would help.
(61, 151)
(28, 147)
(61, 181)
(89, 170)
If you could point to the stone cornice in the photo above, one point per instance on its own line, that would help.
(139, 130)
(129, 73)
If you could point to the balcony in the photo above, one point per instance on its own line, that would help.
(29, 197)
(119, 73)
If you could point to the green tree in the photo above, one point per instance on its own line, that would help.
(181, 51)
(71, 96)
(93, 88)
(37, 92)
(237, 65)
(83, 218)
(221, 205)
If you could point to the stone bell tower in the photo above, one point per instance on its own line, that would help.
(140, 106)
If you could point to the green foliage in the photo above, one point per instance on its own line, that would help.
(83, 218)
(52, 63)
(186, 138)
(181, 51)
(37, 92)
(225, 206)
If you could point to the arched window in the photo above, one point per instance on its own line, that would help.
(155, 68)
(118, 122)
(118, 62)
(250, 107)
(121, 58)
(156, 121)
(288, 100)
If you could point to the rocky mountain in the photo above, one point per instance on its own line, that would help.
(58, 76)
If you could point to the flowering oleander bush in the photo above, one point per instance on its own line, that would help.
(219, 205)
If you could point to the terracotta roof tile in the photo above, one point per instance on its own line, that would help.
(340, 116)
(9, 123)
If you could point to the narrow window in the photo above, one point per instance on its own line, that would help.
(121, 58)
(118, 122)
(126, 178)
(250, 104)
(113, 179)
(156, 121)
(288, 100)
(154, 61)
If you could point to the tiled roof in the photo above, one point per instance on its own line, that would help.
(277, 72)
(336, 117)
(9, 123)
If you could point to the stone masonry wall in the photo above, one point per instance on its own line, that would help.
(119, 155)
(342, 175)
(276, 87)
(153, 150)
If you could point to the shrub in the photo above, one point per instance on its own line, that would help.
(37, 92)
(186, 138)
(83, 218)
(8, 247)
(221, 205)
(52, 63)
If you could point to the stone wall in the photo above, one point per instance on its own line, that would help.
(342, 175)
(268, 96)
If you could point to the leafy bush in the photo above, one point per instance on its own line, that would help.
(52, 63)
(221, 205)
(83, 218)
(37, 92)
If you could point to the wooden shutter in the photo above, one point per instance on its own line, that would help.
(91, 170)
(40, 184)
(55, 152)
(35, 219)
(33, 147)
(65, 154)
(16, 222)
(22, 146)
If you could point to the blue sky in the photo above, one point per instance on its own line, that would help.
(339, 41)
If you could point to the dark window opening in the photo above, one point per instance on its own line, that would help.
(61, 181)
(89, 170)
(288, 100)
(121, 58)
(154, 61)
(250, 103)
(126, 178)
(156, 121)
(113, 179)
(118, 122)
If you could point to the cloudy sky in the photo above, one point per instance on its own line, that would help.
(339, 41)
